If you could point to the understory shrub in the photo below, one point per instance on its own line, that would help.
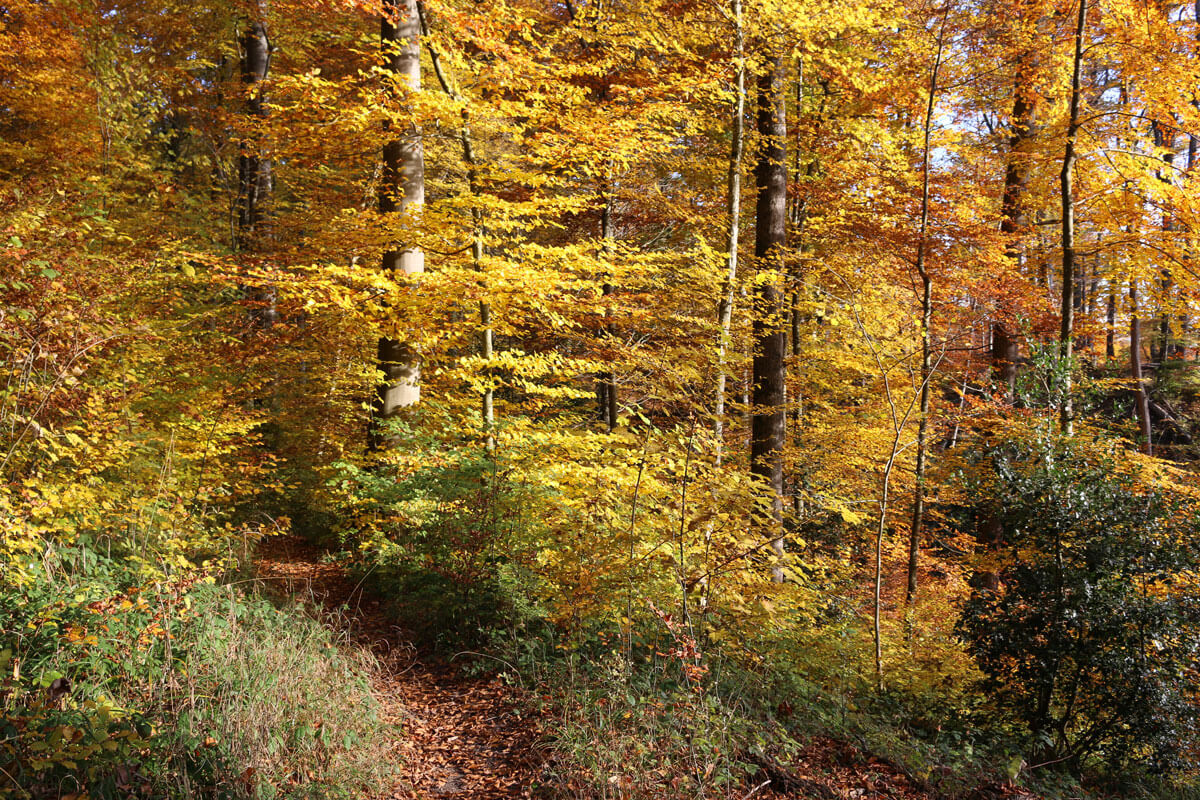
(450, 540)
(1092, 635)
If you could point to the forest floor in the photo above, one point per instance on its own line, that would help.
(458, 735)
(475, 736)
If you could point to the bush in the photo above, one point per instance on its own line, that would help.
(1092, 635)
(449, 541)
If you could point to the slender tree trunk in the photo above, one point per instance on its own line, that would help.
(733, 211)
(254, 168)
(1110, 337)
(1141, 399)
(487, 412)
(918, 512)
(402, 190)
(1066, 183)
(769, 427)
(1164, 137)
(799, 221)
(607, 390)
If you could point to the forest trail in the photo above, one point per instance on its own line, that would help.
(469, 737)
(458, 736)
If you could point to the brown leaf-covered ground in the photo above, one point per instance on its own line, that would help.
(459, 736)
(475, 737)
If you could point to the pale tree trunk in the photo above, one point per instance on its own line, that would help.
(402, 190)
(254, 168)
(1066, 183)
(1141, 399)
(918, 513)
(733, 210)
(768, 428)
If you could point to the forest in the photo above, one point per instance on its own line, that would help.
(600, 399)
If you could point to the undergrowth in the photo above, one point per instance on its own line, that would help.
(182, 687)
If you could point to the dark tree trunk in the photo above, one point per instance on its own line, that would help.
(1066, 184)
(770, 339)
(1110, 337)
(1164, 137)
(606, 391)
(1005, 349)
(918, 511)
(1141, 398)
(254, 167)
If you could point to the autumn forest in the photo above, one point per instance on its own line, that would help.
(599, 399)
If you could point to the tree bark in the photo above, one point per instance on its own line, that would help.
(402, 190)
(918, 512)
(1005, 349)
(733, 211)
(770, 340)
(1164, 137)
(607, 390)
(1110, 336)
(1141, 398)
(254, 168)
(487, 411)
(1066, 184)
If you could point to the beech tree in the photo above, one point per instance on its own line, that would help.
(401, 190)
(770, 338)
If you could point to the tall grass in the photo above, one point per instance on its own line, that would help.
(179, 688)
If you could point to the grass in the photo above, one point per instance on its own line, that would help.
(178, 688)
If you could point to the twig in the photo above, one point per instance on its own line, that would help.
(756, 789)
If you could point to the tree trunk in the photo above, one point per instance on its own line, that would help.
(402, 190)
(254, 168)
(1141, 399)
(1066, 183)
(918, 513)
(799, 221)
(607, 390)
(1110, 336)
(733, 211)
(1005, 348)
(487, 411)
(1164, 137)
(770, 340)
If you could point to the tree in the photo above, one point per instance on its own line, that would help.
(770, 339)
(255, 182)
(1067, 193)
(402, 190)
(926, 375)
(733, 209)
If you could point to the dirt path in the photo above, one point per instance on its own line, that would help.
(462, 736)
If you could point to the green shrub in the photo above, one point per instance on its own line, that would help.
(1092, 637)
(451, 541)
